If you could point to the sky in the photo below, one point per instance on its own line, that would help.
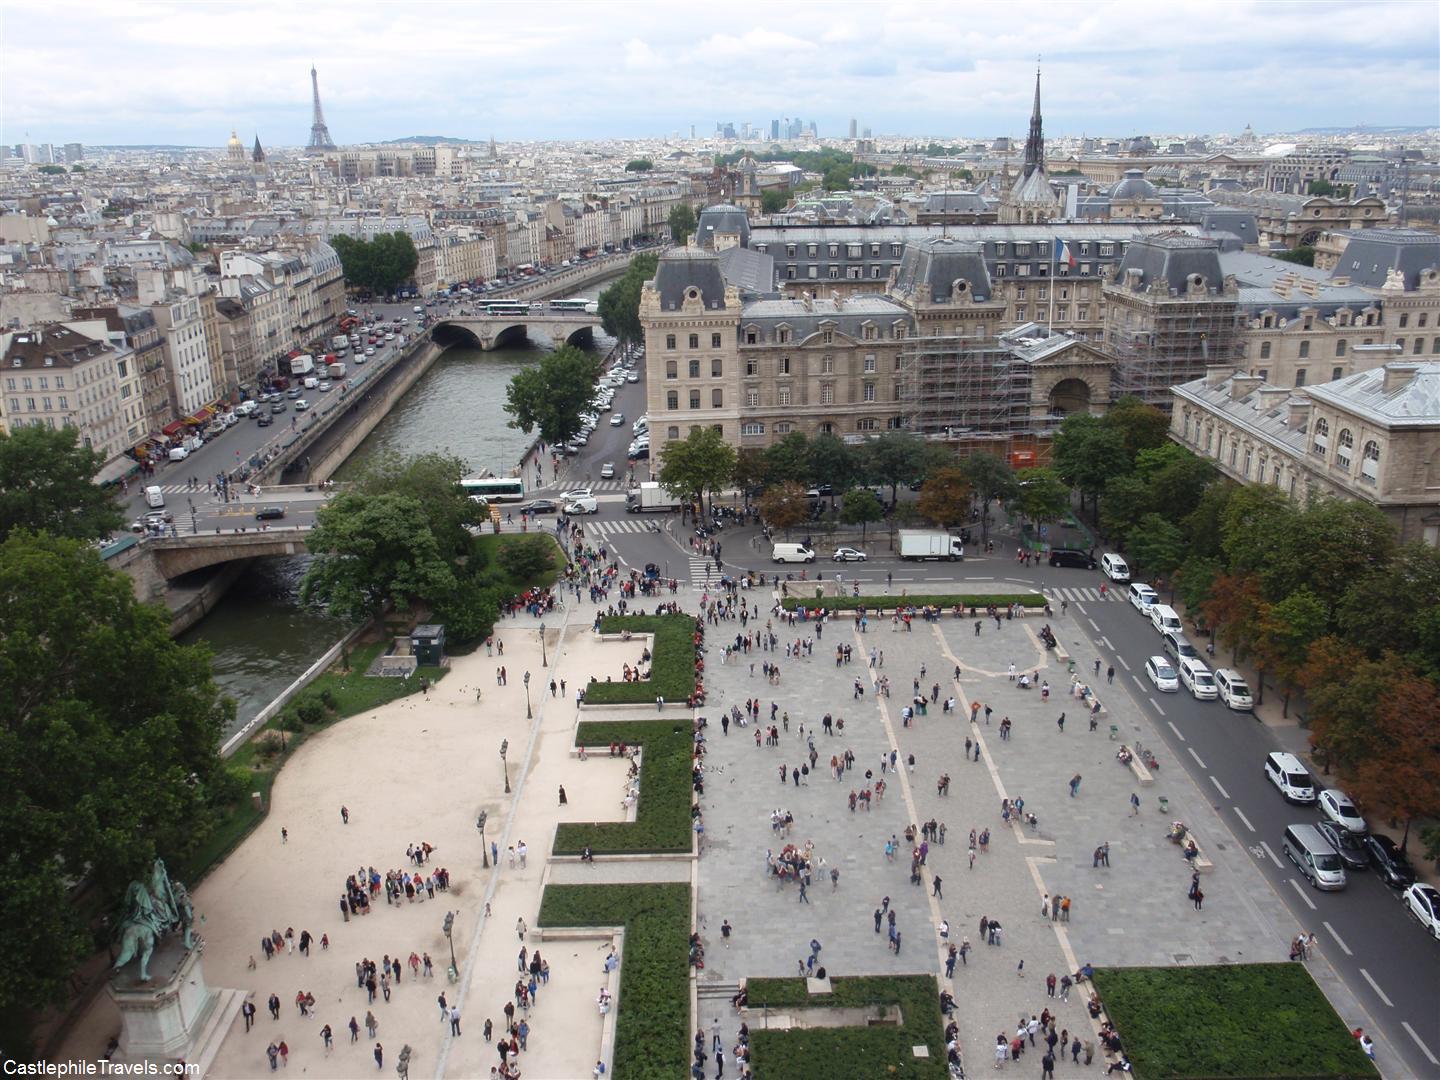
(189, 72)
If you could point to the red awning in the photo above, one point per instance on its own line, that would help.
(171, 429)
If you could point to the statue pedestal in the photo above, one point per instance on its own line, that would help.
(175, 1016)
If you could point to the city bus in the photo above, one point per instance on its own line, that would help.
(579, 303)
(495, 488)
(507, 307)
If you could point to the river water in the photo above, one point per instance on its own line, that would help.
(262, 638)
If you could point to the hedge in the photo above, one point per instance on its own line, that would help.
(662, 815)
(1232, 1020)
(653, 1017)
(861, 1053)
(672, 661)
(877, 604)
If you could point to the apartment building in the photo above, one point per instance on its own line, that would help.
(57, 377)
(187, 354)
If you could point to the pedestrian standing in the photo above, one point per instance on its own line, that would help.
(344, 815)
(379, 1057)
(454, 1020)
(1134, 804)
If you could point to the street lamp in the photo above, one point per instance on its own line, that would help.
(504, 747)
(484, 848)
(528, 714)
(448, 929)
(544, 661)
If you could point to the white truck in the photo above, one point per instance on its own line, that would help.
(154, 496)
(336, 369)
(302, 365)
(925, 544)
(340, 343)
(649, 496)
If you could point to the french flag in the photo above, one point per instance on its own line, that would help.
(1063, 254)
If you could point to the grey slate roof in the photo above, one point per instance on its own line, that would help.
(1416, 403)
(721, 218)
(1133, 185)
(749, 271)
(941, 262)
(1171, 259)
(681, 268)
(1371, 254)
(848, 317)
(1251, 412)
(955, 202)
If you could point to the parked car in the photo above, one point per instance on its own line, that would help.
(1423, 902)
(1350, 847)
(1291, 777)
(155, 519)
(540, 506)
(1162, 674)
(269, 513)
(1116, 568)
(1341, 809)
(1389, 861)
(848, 554)
(1074, 557)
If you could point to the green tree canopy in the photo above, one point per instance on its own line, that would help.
(993, 479)
(832, 462)
(682, 223)
(553, 394)
(47, 483)
(860, 507)
(788, 461)
(433, 479)
(1157, 545)
(1304, 255)
(1043, 497)
(893, 458)
(1089, 453)
(698, 466)
(108, 736)
(380, 264)
(1143, 427)
(639, 165)
(774, 199)
(619, 305)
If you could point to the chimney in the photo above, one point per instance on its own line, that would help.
(1243, 385)
(1299, 412)
(1271, 396)
(1215, 374)
(1397, 375)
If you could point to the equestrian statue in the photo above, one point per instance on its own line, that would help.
(151, 910)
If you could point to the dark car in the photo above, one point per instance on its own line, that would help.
(1351, 846)
(1080, 560)
(269, 513)
(540, 506)
(1389, 861)
(264, 420)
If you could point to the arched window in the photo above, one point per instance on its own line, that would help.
(1344, 445)
(1370, 462)
(1320, 444)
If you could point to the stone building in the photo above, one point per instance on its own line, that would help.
(1300, 220)
(141, 334)
(57, 377)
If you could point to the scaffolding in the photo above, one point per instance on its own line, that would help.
(1162, 339)
(966, 389)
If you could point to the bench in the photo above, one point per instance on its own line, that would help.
(1141, 771)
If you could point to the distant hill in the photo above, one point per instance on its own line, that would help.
(1366, 129)
(431, 140)
(146, 146)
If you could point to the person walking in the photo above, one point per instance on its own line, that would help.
(371, 1024)
(379, 1057)
(344, 815)
(1074, 785)
(1134, 805)
(454, 1020)
(936, 890)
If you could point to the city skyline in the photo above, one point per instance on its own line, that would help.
(188, 74)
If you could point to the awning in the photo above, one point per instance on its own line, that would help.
(117, 470)
(172, 429)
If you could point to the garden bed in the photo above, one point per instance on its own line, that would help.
(878, 605)
(672, 663)
(1232, 1020)
(662, 814)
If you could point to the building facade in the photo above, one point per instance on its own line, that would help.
(56, 377)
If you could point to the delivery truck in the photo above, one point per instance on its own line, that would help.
(649, 496)
(926, 544)
(303, 364)
(336, 370)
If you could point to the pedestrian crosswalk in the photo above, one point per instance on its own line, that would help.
(702, 571)
(597, 486)
(617, 527)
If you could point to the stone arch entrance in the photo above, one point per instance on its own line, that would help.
(1069, 396)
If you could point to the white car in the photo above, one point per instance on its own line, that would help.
(369, 350)
(301, 405)
(1143, 598)
(848, 554)
(1341, 809)
(576, 493)
(632, 378)
(1162, 674)
(586, 505)
(607, 471)
(617, 420)
(1116, 568)
(1423, 902)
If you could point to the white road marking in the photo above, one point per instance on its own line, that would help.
(1123, 663)
(1376, 987)
(1095, 625)
(1240, 814)
(1176, 730)
(1418, 1041)
(1082, 610)
(1273, 857)
(1223, 793)
(1195, 756)
(1157, 706)
(1106, 640)
(1301, 890)
(1344, 948)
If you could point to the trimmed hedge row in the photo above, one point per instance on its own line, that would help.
(654, 1003)
(662, 815)
(852, 1053)
(879, 604)
(1232, 1020)
(672, 665)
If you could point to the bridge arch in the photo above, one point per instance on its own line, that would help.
(512, 336)
(582, 337)
(449, 333)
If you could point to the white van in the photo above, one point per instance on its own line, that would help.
(178, 453)
(1234, 691)
(1163, 618)
(1287, 773)
(784, 553)
(1116, 569)
(154, 496)
(582, 504)
(1315, 858)
(1196, 678)
(1142, 597)
(246, 408)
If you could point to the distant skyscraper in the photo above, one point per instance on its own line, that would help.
(320, 140)
(854, 127)
(774, 129)
(74, 152)
(867, 134)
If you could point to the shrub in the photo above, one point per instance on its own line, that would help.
(845, 1052)
(311, 710)
(662, 815)
(268, 744)
(672, 663)
(290, 720)
(650, 1028)
(327, 696)
(1232, 1020)
(526, 558)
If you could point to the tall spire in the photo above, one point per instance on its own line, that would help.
(1035, 141)
(320, 140)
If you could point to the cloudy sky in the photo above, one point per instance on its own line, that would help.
(129, 71)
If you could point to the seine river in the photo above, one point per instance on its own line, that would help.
(262, 638)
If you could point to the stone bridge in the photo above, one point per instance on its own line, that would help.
(497, 331)
(157, 561)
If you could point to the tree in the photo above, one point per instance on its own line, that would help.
(434, 481)
(1286, 631)
(47, 484)
(52, 170)
(639, 165)
(860, 507)
(1342, 687)
(836, 178)
(1194, 581)
(1234, 611)
(1142, 426)
(1157, 546)
(788, 461)
(774, 199)
(374, 550)
(470, 612)
(1396, 606)
(993, 480)
(553, 394)
(749, 471)
(784, 506)
(1127, 500)
(1304, 255)
(108, 737)
(682, 223)
(893, 458)
(1043, 496)
(945, 498)
(832, 462)
(619, 305)
(1401, 777)
(526, 558)
(1320, 187)
(378, 265)
(1088, 454)
(698, 466)
(1175, 478)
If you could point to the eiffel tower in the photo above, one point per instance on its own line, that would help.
(320, 141)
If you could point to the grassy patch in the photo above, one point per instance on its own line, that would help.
(1233, 1020)
(352, 694)
(672, 667)
(861, 1053)
(488, 545)
(662, 816)
(651, 1027)
(878, 605)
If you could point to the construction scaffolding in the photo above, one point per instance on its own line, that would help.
(966, 389)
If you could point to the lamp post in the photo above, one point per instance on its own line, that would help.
(448, 929)
(544, 660)
(528, 714)
(484, 848)
(504, 747)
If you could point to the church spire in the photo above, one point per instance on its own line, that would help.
(1035, 141)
